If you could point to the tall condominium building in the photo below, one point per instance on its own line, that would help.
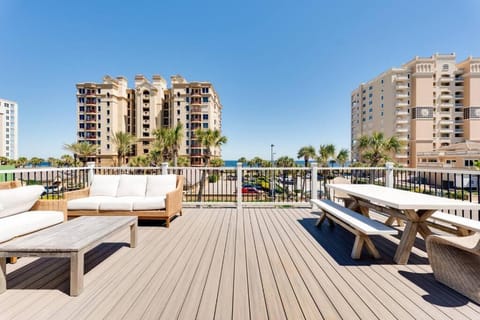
(8, 129)
(431, 104)
(111, 106)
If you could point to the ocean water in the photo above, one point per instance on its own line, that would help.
(233, 163)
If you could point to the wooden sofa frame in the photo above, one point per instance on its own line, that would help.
(173, 205)
(40, 205)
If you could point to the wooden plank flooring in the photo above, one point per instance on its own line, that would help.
(217, 263)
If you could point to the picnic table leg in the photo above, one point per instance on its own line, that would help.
(3, 275)
(76, 273)
(406, 243)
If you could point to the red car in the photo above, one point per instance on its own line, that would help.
(250, 190)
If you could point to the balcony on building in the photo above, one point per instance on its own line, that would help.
(402, 121)
(401, 130)
(401, 104)
(401, 113)
(400, 95)
(401, 78)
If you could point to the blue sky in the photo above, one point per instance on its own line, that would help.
(284, 70)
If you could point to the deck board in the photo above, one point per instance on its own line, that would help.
(220, 263)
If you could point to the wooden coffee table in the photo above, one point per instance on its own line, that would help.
(71, 239)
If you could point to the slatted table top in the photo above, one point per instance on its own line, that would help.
(402, 199)
(70, 236)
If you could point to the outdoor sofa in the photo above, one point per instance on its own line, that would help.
(146, 196)
(22, 212)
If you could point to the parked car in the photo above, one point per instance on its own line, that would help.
(250, 190)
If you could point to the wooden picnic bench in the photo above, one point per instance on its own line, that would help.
(362, 227)
(461, 226)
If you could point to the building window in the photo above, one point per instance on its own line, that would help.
(187, 99)
(81, 109)
(187, 90)
(205, 117)
(108, 104)
(187, 108)
(99, 109)
(81, 117)
(108, 146)
(178, 111)
(178, 103)
(204, 99)
(99, 91)
(205, 125)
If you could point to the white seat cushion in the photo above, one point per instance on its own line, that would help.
(18, 200)
(116, 204)
(88, 203)
(160, 185)
(132, 186)
(149, 203)
(104, 185)
(27, 222)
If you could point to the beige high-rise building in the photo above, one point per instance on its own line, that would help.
(8, 129)
(111, 106)
(430, 104)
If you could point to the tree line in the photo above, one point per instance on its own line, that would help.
(375, 150)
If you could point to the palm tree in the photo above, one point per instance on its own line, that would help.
(243, 160)
(163, 143)
(342, 156)
(35, 161)
(21, 162)
(123, 141)
(66, 160)
(176, 139)
(209, 139)
(53, 161)
(81, 150)
(325, 152)
(306, 153)
(183, 161)
(376, 149)
(285, 162)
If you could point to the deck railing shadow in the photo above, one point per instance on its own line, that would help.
(338, 242)
(437, 293)
(59, 277)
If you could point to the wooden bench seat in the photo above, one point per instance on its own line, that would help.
(362, 227)
(463, 226)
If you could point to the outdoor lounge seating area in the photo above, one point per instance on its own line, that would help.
(156, 197)
(263, 263)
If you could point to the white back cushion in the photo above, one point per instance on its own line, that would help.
(19, 200)
(160, 185)
(132, 185)
(104, 185)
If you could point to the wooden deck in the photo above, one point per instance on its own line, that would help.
(221, 264)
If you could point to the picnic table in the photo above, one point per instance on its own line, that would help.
(414, 208)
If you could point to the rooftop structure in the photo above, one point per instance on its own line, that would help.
(8, 129)
(109, 107)
(427, 103)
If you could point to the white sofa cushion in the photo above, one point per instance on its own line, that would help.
(132, 186)
(160, 185)
(88, 203)
(104, 185)
(18, 200)
(149, 203)
(27, 222)
(116, 204)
